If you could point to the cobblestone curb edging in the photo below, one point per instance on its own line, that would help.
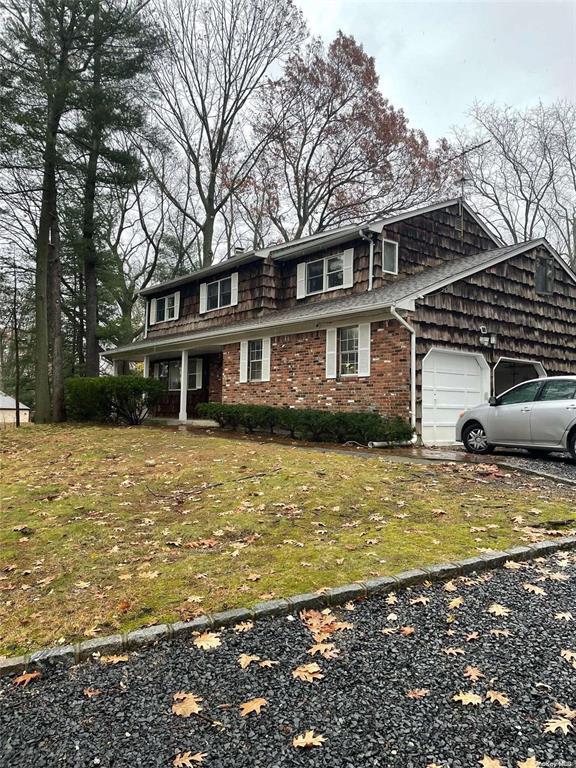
(129, 641)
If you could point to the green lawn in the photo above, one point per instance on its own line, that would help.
(106, 529)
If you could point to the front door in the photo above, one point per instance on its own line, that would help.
(509, 419)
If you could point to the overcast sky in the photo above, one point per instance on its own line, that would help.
(436, 57)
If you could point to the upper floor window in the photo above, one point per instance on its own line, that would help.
(219, 293)
(326, 274)
(544, 276)
(165, 308)
(390, 257)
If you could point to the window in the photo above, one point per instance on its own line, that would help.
(524, 393)
(544, 277)
(348, 351)
(168, 372)
(255, 360)
(326, 274)
(390, 257)
(562, 389)
(219, 294)
(194, 373)
(165, 308)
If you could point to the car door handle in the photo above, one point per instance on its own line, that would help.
(526, 408)
(571, 407)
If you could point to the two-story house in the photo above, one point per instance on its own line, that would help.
(420, 315)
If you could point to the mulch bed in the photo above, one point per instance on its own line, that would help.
(120, 714)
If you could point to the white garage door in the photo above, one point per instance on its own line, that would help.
(451, 382)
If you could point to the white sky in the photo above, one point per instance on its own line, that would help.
(436, 57)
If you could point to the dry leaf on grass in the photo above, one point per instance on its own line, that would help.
(253, 577)
(498, 698)
(113, 659)
(186, 704)
(307, 740)
(26, 677)
(467, 697)
(308, 672)
(558, 724)
(187, 759)
(207, 641)
(254, 705)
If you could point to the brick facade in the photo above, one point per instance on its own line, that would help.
(298, 375)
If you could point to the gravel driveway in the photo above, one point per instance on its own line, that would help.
(386, 700)
(560, 465)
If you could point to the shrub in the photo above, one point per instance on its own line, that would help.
(310, 424)
(126, 399)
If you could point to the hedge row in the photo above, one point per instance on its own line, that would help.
(309, 424)
(125, 399)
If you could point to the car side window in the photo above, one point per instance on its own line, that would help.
(525, 393)
(559, 390)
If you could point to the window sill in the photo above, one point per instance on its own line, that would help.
(215, 309)
(327, 290)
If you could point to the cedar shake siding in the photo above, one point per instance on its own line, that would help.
(298, 375)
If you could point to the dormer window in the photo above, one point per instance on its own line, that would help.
(389, 257)
(544, 275)
(219, 293)
(165, 308)
(326, 274)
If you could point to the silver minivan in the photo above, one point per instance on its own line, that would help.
(539, 415)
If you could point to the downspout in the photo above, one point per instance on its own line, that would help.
(370, 258)
(146, 311)
(412, 331)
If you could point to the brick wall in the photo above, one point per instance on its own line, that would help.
(298, 375)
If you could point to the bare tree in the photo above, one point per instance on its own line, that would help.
(219, 54)
(524, 179)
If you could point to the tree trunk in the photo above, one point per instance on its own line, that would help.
(16, 347)
(47, 211)
(207, 239)
(55, 272)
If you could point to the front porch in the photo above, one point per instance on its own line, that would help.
(190, 377)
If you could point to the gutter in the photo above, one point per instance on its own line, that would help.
(370, 239)
(410, 328)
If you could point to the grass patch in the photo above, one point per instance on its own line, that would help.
(107, 528)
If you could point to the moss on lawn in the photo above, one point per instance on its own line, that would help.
(106, 529)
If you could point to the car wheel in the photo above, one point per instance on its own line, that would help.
(538, 451)
(475, 439)
(572, 444)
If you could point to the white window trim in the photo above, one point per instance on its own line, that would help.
(388, 271)
(233, 293)
(152, 310)
(333, 352)
(347, 257)
(266, 354)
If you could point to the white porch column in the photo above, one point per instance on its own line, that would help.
(183, 415)
(146, 367)
(115, 367)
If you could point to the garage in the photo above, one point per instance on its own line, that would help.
(509, 371)
(451, 382)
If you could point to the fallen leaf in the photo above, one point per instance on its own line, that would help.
(207, 640)
(326, 650)
(91, 692)
(473, 673)
(565, 616)
(26, 677)
(534, 589)
(530, 762)
(565, 711)
(498, 610)
(450, 587)
(558, 724)
(453, 651)
(244, 626)
(308, 739)
(490, 762)
(512, 565)
(500, 632)
(456, 602)
(253, 577)
(496, 697)
(186, 759)
(254, 705)
(406, 631)
(467, 697)
(471, 636)
(308, 672)
(186, 704)
(421, 600)
(418, 693)
(245, 659)
(113, 659)
(391, 598)
(267, 663)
